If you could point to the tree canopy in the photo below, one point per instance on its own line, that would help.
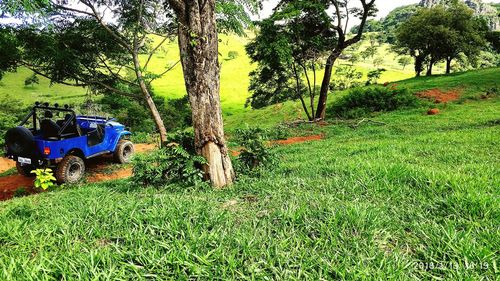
(441, 33)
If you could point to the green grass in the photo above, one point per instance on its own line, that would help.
(416, 198)
(471, 84)
(234, 76)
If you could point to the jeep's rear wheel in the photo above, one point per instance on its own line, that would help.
(70, 170)
(124, 151)
(25, 170)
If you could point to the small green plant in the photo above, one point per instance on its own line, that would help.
(361, 102)
(232, 55)
(254, 153)
(31, 80)
(44, 178)
(374, 76)
(172, 164)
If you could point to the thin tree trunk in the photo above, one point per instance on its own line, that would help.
(198, 44)
(448, 65)
(419, 61)
(311, 94)
(429, 68)
(149, 101)
(299, 94)
(325, 85)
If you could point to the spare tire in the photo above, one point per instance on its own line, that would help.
(19, 141)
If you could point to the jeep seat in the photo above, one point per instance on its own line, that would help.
(72, 130)
(49, 129)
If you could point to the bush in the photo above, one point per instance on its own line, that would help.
(253, 153)
(172, 164)
(361, 102)
(44, 178)
(11, 113)
(31, 80)
(231, 55)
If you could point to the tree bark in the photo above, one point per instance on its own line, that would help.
(325, 86)
(429, 68)
(448, 65)
(419, 62)
(198, 44)
(160, 126)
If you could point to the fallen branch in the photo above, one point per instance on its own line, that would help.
(364, 120)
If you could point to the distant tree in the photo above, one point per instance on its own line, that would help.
(371, 51)
(345, 77)
(365, 54)
(419, 36)
(354, 58)
(404, 61)
(342, 13)
(467, 34)
(31, 80)
(441, 33)
(374, 75)
(231, 55)
(288, 48)
(378, 61)
(372, 38)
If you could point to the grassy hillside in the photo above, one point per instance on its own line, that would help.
(469, 84)
(416, 198)
(234, 77)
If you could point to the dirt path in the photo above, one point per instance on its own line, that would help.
(6, 164)
(293, 140)
(97, 170)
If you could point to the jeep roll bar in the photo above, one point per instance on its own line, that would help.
(45, 106)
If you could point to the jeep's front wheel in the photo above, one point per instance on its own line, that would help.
(70, 169)
(25, 170)
(124, 152)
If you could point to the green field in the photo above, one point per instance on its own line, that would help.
(411, 197)
(234, 77)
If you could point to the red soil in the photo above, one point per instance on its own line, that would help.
(6, 164)
(295, 140)
(433, 111)
(95, 173)
(237, 151)
(439, 96)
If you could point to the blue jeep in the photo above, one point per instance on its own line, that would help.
(59, 138)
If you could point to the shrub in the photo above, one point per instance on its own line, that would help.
(31, 80)
(361, 102)
(253, 154)
(185, 139)
(231, 55)
(11, 113)
(44, 178)
(172, 164)
(374, 76)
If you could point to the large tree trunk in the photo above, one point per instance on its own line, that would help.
(160, 126)
(198, 44)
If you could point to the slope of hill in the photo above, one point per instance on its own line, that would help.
(234, 77)
(471, 84)
(416, 198)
